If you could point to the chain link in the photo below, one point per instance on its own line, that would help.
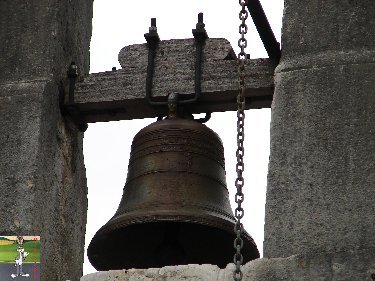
(240, 166)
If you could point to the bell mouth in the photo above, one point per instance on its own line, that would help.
(160, 243)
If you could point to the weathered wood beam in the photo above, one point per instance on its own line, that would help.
(120, 94)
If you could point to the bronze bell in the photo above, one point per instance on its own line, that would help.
(175, 208)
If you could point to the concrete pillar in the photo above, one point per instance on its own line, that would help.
(321, 181)
(42, 176)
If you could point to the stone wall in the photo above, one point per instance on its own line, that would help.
(42, 175)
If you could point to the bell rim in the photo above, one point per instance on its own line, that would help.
(224, 224)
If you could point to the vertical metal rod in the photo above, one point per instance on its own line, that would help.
(72, 82)
(200, 18)
(72, 75)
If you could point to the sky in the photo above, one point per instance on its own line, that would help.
(118, 23)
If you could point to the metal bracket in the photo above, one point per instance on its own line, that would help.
(152, 38)
(174, 112)
(70, 109)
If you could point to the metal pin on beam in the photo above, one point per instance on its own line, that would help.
(153, 24)
(72, 75)
(152, 37)
(200, 32)
(200, 19)
(71, 109)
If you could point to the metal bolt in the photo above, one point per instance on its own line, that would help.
(114, 68)
(200, 17)
(153, 27)
(199, 32)
(200, 24)
(72, 70)
(152, 36)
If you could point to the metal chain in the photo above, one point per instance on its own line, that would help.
(239, 197)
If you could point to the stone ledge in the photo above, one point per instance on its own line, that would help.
(294, 268)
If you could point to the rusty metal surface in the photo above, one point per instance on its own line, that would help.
(240, 165)
(175, 207)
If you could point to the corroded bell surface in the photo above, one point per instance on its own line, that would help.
(175, 208)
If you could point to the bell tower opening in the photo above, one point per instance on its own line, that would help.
(107, 145)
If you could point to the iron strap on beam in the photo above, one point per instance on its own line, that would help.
(120, 94)
(264, 29)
